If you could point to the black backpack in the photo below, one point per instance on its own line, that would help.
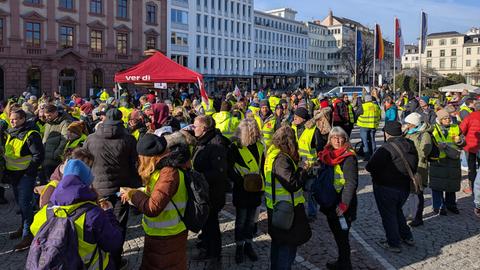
(56, 244)
(197, 208)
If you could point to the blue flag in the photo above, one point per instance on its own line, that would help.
(359, 46)
(424, 32)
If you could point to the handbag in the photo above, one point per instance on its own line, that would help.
(283, 211)
(416, 183)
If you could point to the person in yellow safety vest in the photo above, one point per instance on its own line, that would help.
(225, 121)
(24, 153)
(76, 135)
(104, 96)
(316, 103)
(368, 120)
(340, 157)
(351, 115)
(248, 185)
(274, 100)
(162, 203)
(466, 108)
(254, 107)
(136, 124)
(272, 124)
(402, 101)
(445, 174)
(209, 110)
(283, 183)
(98, 231)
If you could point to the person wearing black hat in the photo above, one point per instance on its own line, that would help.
(391, 184)
(114, 166)
(310, 142)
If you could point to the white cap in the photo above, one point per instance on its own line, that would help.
(414, 119)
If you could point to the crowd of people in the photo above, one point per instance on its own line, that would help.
(94, 160)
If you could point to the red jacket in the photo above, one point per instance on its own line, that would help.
(470, 127)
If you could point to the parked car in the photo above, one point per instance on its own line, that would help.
(349, 90)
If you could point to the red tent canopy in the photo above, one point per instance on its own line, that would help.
(158, 69)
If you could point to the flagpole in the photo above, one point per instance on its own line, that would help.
(394, 52)
(374, 52)
(420, 47)
(356, 52)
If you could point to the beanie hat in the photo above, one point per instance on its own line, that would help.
(264, 102)
(426, 99)
(114, 117)
(78, 168)
(442, 114)
(76, 127)
(302, 113)
(151, 145)
(87, 108)
(393, 128)
(78, 101)
(414, 119)
(367, 98)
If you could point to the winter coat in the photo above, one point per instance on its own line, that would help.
(428, 116)
(388, 169)
(100, 227)
(210, 159)
(391, 114)
(115, 156)
(423, 143)
(55, 139)
(470, 127)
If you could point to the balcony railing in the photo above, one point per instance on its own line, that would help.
(96, 55)
(34, 51)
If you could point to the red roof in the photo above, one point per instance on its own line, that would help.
(158, 69)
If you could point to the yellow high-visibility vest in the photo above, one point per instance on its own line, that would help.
(453, 131)
(305, 150)
(13, 158)
(370, 117)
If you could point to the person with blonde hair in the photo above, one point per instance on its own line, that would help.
(283, 184)
(248, 154)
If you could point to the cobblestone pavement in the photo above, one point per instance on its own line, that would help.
(444, 242)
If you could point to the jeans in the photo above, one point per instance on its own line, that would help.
(472, 167)
(342, 241)
(282, 256)
(311, 203)
(368, 139)
(244, 224)
(390, 202)
(23, 191)
(212, 235)
(439, 201)
(121, 212)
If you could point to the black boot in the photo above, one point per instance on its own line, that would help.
(251, 254)
(239, 253)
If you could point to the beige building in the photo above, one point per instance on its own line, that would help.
(444, 52)
(74, 45)
(410, 58)
(471, 57)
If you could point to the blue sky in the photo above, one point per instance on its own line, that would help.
(443, 15)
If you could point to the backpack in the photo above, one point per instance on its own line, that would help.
(434, 154)
(197, 208)
(56, 244)
(323, 190)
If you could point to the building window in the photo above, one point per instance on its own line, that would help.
(122, 43)
(32, 34)
(469, 51)
(442, 53)
(468, 63)
(179, 16)
(442, 42)
(122, 9)
(96, 41)
(199, 20)
(97, 78)
(2, 26)
(453, 41)
(442, 63)
(429, 42)
(35, 2)
(179, 39)
(96, 6)
(151, 42)
(454, 52)
(180, 59)
(453, 63)
(34, 76)
(66, 4)
(151, 14)
(66, 37)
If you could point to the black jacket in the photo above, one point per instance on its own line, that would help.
(388, 169)
(115, 160)
(33, 146)
(210, 159)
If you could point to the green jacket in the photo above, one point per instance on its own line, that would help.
(423, 143)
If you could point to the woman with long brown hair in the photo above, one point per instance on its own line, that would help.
(283, 186)
(165, 233)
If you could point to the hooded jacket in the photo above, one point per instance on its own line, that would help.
(100, 227)
(55, 139)
(115, 156)
(470, 127)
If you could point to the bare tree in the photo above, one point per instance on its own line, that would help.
(365, 64)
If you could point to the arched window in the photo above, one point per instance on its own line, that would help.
(34, 76)
(97, 79)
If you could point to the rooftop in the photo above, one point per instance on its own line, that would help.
(445, 34)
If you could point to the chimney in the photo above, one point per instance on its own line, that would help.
(330, 18)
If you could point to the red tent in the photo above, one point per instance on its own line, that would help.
(158, 69)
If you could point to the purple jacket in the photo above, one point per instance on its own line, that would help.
(100, 226)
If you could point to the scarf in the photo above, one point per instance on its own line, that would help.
(331, 157)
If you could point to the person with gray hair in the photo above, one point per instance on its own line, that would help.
(249, 157)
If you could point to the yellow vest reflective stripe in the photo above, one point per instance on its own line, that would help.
(281, 194)
(75, 143)
(268, 129)
(210, 110)
(316, 104)
(453, 131)
(338, 178)
(249, 159)
(13, 147)
(305, 150)
(136, 134)
(351, 115)
(85, 249)
(226, 123)
(168, 222)
(370, 117)
(273, 101)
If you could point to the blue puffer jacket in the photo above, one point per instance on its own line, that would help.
(391, 114)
